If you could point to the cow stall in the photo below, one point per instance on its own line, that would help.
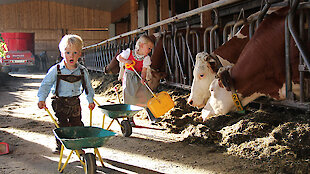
(185, 37)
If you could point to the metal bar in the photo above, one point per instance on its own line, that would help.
(228, 25)
(292, 29)
(236, 25)
(188, 32)
(212, 38)
(166, 55)
(301, 73)
(288, 81)
(205, 34)
(251, 29)
(178, 57)
(262, 13)
(169, 20)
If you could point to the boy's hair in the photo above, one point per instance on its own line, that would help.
(144, 39)
(70, 39)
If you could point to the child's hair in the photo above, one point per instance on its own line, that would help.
(143, 39)
(70, 39)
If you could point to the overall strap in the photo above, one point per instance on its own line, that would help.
(58, 79)
(83, 81)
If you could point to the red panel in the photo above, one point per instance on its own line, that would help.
(19, 41)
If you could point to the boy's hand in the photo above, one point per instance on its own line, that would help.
(41, 104)
(91, 106)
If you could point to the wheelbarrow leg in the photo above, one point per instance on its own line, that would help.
(65, 164)
(99, 156)
(110, 124)
(60, 157)
(103, 118)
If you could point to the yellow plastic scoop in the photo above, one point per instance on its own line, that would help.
(159, 104)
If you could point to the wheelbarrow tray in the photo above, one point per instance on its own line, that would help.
(76, 138)
(120, 110)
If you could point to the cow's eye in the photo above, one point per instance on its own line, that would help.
(201, 75)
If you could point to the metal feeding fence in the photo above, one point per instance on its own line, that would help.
(181, 43)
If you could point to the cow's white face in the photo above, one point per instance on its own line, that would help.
(203, 76)
(220, 101)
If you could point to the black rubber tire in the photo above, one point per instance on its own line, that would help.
(126, 128)
(90, 163)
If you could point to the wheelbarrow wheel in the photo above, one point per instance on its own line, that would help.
(90, 163)
(126, 128)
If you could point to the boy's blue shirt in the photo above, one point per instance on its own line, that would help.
(66, 89)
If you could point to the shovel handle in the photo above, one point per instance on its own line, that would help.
(116, 91)
(147, 86)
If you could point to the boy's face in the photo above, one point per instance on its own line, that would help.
(145, 48)
(71, 56)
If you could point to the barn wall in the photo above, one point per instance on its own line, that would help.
(120, 17)
(121, 12)
(50, 20)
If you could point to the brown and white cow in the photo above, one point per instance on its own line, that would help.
(206, 66)
(259, 70)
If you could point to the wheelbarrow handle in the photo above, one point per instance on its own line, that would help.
(96, 102)
(49, 113)
(147, 86)
(55, 122)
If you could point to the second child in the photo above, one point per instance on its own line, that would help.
(135, 92)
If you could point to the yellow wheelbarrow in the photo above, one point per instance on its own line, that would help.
(78, 138)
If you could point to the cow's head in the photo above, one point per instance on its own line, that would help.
(204, 73)
(221, 101)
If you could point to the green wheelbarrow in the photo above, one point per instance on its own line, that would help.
(78, 138)
(124, 111)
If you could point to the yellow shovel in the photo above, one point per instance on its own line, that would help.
(159, 104)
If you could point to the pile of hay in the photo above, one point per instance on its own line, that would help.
(276, 137)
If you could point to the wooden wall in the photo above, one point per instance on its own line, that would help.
(121, 12)
(50, 20)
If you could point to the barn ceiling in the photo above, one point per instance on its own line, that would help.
(106, 5)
